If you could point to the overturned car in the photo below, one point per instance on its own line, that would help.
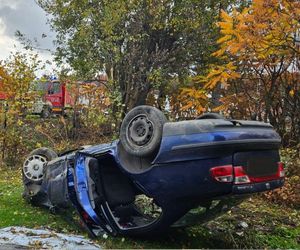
(158, 174)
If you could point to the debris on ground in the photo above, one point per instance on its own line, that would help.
(23, 238)
(242, 225)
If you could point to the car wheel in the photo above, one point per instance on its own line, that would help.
(33, 167)
(141, 130)
(210, 116)
(46, 112)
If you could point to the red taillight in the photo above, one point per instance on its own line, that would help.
(281, 172)
(264, 178)
(222, 173)
(240, 177)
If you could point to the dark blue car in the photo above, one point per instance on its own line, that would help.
(158, 174)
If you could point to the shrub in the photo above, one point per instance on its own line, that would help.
(289, 194)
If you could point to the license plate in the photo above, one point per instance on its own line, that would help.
(261, 167)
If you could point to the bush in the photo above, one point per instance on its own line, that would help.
(289, 194)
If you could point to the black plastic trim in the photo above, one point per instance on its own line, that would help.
(257, 187)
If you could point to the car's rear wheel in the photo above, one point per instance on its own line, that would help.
(33, 167)
(141, 130)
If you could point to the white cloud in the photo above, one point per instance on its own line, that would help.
(13, 4)
(7, 44)
(2, 27)
(30, 19)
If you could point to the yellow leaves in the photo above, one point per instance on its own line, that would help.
(226, 28)
(193, 99)
(224, 39)
(192, 92)
(93, 96)
(197, 99)
(219, 52)
(221, 74)
(20, 123)
(16, 76)
(226, 17)
(258, 37)
(264, 28)
(235, 75)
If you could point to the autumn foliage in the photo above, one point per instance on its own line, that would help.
(290, 192)
(257, 71)
(21, 131)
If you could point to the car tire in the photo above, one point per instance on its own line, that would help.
(47, 152)
(33, 169)
(141, 130)
(46, 112)
(210, 116)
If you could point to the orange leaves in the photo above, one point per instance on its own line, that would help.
(220, 74)
(193, 99)
(6, 83)
(257, 46)
(93, 96)
(260, 36)
(230, 29)
(16, 75)
(232, 102)
(198, 98)
(262, 30)
(227, 23)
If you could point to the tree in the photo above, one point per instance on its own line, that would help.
(16, 76)
(141, 44)
(259, 69)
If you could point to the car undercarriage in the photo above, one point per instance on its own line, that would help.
(159, 174)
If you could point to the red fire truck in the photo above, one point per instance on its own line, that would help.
(55, 98)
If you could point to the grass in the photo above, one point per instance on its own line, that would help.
(15, 211)
(269, 225)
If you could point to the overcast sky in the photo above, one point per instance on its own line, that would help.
(31, 20)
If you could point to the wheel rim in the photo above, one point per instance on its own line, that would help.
(46, 112)
(33, 167)
(140, 130)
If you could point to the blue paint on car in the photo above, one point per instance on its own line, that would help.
(197, 164)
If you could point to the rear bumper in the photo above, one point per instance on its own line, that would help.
(257, 187)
